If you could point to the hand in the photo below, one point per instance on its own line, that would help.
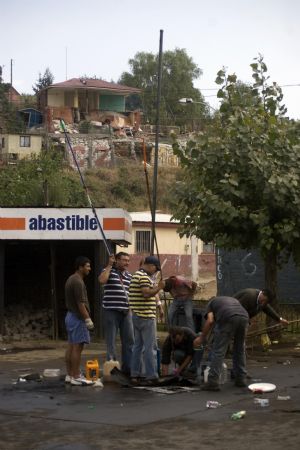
(197, 342)
(161, 284)
(161, 312)
(284, 321)
(89, 324)
(176, 372)
(111, 260)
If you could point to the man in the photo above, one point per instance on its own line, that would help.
(78, 321)
(179, 345)
(117, 317)
(143, 302)
(182, 291)
(231, 321)
(255, 300)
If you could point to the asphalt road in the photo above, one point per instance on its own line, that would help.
(51, 416)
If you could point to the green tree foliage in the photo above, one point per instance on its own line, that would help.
(10, 122)
(178, 73)
(40, 180)
(28, 101)
(43, 81)
(241, 184)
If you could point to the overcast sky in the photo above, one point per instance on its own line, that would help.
(96, 37)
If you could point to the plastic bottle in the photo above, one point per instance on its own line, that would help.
(238, 415)
(92, 369)
(223, 374)
(205, 374)
(107, 368)
(211, 404)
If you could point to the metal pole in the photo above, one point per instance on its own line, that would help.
(154, 191)
(106, 244)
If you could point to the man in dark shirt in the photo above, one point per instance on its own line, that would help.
(231, 321)
(255, 300)
(78, 321)
(182, 291)
(179, 347)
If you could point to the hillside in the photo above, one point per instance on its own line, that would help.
(125, 187)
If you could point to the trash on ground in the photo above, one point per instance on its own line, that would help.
(211, 404)
(262, 402)
(30, 377)
(259, 388)
(238, 415)
(51, 374)
(98, 383)
(283, 397)
(168, 389)
(287, 362)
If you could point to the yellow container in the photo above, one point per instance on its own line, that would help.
(92, 370)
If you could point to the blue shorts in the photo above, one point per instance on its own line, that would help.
(76, 329)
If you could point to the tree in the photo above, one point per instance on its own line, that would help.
(39, 181)
(43, 81)
(241, 185)
(178, 73)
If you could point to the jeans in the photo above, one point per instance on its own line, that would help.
(144, 345)
(188, 310)
(180, 355)
(115, 320)
(236, 328)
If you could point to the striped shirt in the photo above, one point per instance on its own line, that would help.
(116, 288)
(140, 305)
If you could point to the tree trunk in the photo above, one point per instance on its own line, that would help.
(270, 262)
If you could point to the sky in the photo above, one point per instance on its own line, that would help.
(96, 37)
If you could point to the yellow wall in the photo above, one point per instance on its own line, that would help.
(168, 241)
(12, 145)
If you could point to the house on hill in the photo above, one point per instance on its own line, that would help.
(80, 99)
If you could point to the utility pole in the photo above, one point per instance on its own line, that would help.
(11, 72)
(155, 170)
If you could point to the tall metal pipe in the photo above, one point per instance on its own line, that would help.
(155, 170)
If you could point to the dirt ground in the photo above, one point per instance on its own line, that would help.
(35, 416)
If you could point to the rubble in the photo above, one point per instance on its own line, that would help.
(25, 322)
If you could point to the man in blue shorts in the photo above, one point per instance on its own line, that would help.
(78, 321)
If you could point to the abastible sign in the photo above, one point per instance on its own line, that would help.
(54, 223)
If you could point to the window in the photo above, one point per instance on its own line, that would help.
(142, 241)
(208, 248)
(24, 141)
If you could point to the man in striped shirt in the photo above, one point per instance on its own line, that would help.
(143, 305)
(117, 317)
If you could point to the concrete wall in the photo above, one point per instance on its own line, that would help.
(241, 269)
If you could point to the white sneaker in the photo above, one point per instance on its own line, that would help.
(85, 381)
(68, 379)
(81, 381)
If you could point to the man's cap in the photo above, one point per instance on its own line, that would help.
(152, 260)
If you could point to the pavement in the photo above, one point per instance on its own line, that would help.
(43, 415)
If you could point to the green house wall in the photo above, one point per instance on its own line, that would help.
(112, 103)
